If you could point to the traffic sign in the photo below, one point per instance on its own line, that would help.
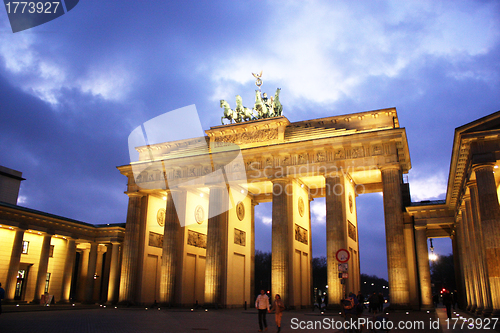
(342, 255)
(343, 267)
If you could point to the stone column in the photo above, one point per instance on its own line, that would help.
(105, 274)
(114, 274)
(15, 260)
(489, 211)
(82, 279)
(394, 232)
(471, 294)
(170, 250)
(216, 262)
(43, 264)
(280, 260)
(252, 251)
(424, 271)
(89, 285)
(336, 234)
(68, 270)
(100, 275)
(474, 253)
(458, 253)
(130, 257)
(481, 253)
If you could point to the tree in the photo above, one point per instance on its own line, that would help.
(262, 271)
(443, 273)
(319, 273)
(373, 284)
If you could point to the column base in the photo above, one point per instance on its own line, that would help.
(427, 308)
(398, 307)
(487, 312)
(495, 313)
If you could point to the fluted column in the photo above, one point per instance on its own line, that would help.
(336, 234)
(89, 285)
(394, 232)
(424, 271)
(43, 264)
(481, 253)
(114, 274)
(131, 243)
(105, 274)
(252, 249)
(68, 270)
(471, 295)
(475, 255)
(82, 279)
(216, 262)
(15, 260)
(459, 249)
(280, 260)
(170, 248)
(489, 211)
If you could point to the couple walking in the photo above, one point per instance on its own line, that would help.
(263, 306)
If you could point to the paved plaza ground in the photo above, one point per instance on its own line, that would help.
(59, 318)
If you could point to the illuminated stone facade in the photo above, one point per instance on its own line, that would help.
(289, 164)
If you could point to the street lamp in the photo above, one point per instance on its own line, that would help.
(432, 256)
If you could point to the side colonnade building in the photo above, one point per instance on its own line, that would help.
(41, 253)
(470, 216)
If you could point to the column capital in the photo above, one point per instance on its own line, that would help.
(331, 174)
(487, 166)
(393, 166)
(133, 194)
(420, 227)
(280, 180)
(471, 183)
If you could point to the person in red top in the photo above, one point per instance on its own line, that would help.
(262, 305)
(278, 307)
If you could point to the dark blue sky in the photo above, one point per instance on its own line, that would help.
(73, 89)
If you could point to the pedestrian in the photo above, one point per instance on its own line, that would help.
(2, 296)
(435, 300)
(455, 299)
(373, 303)
(262, 305)
(447, 300)
(361, 298)
(278, 307)
(350, 310)
(381, 302)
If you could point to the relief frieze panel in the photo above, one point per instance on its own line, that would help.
(301, 234)
(197, 239)
(247, 137)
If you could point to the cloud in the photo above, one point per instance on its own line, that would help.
(44, 72)
(325, 52)
(428, 186)
(318, 212)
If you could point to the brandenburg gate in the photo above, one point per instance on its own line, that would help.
(190, 232)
